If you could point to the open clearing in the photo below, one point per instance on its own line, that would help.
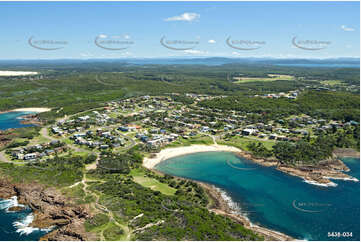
(271, 77)
(331, 82)
(152, 183)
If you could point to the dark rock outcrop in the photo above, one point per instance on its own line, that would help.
(51, 209)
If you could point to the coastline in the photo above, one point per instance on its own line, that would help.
(332, 168)
(219, 204)
(329, 169)
(34, 109)
(346, 152)
(17, 73)
(222, 204)
(151, 162)
(51, 211)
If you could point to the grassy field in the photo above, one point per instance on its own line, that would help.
(113, 233)
(151, 183)
(201, 140)
(39, 140)
(243, 142)
(97, 223)
(332, 82)
(271, 77)
(77, 193)
(48, 176)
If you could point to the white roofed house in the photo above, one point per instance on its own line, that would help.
(30, 156)
(249, 131)
(84, 118)
(205, 129)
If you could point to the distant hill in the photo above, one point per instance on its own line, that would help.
(353, 62)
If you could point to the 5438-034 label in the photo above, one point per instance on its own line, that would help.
(339, 234)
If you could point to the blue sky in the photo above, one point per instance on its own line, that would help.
(205, 26)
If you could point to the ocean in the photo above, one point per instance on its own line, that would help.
(12, 120)
(275, 200)
(14, 226)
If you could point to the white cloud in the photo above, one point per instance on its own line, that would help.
(236, 53)
(126, 36)
(102, 36)
(189, 17)
(211, 41)
(345, 28)
(86, 54)
(195, 52)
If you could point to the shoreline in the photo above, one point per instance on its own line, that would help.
(51, 211)
(151, 162)
(17, 73)
(34, 109)
(221, 207)
(221, 204)
(346, 152)
(332, 168)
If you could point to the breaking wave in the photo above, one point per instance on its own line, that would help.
(22, 226)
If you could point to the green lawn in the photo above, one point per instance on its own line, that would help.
(78, 194)
(242, 142)
(39, 140)
(140, 178)
(97, 223)
(270, 77)
(113, 233)
(202, 140)
(331, 82)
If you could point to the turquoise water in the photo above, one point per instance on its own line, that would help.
(12, 120)
(14, 226)
(276, 200)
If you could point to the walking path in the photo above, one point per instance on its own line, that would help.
(102, 209)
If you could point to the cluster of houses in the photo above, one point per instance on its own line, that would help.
(32, 153)
(156, 137)
(289, 95)
(102, 139)
(202, 97)
(159, 120)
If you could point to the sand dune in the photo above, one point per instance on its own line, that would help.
(17, 73)
(36, 110)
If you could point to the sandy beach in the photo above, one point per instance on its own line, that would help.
(221, 206)
(221, 203)
(35, 110)
(17, 73)
(322, 179)
(168, 153)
